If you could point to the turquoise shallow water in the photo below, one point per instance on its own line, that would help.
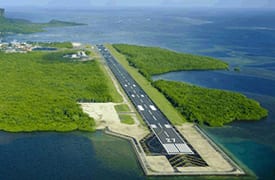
(244, 39)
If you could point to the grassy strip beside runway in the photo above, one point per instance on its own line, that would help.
(196, 104)
(122, 108)
(126, 119)
(165, 106)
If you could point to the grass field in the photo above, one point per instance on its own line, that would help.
(122, 108)
(126, 119)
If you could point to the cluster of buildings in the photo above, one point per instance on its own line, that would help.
(78, 55)
(24, 47)
(15, 47)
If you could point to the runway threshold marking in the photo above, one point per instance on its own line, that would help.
(171, 148)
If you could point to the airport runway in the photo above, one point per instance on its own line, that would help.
(170, 139)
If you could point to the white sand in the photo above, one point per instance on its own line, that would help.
(105, 115)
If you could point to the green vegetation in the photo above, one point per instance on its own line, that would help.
(166, 107)
(122, 108)
(39, 92)
(67, 45)
(237, 69)
(151, 60)
(126, 119)
(57, 23)
(210, 106)
(24, 26)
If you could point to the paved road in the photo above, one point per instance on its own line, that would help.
(155, 119)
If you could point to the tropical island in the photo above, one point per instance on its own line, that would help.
(13, 26)
(36, 95)
(196, 104)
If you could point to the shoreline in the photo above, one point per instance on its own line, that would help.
(219, 162)
(149, 172)
(107, 119)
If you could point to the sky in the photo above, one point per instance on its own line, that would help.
(156, 3)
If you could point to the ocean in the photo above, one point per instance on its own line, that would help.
(243, 38)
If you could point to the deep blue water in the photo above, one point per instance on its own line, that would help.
(243, 38)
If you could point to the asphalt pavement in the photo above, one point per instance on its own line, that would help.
(170, 139)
